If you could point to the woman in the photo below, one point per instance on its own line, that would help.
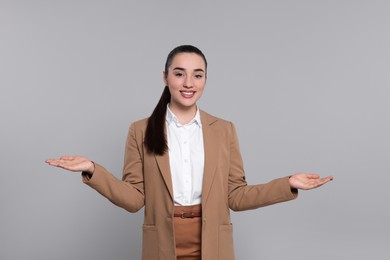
(184, 166)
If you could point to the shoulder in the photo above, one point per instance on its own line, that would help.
(138, 128)
(140, 124)
(216, 122)
(211, 119)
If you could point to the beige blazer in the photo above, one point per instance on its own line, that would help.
(147, 182)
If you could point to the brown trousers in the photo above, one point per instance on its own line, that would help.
(188, 233)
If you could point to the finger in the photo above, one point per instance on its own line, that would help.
(60, 162)
(67, 165)
(328, 179)
(67, 158)
(312, 176)
(53, 162)
(323, 181)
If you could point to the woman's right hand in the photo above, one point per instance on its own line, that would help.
(73, 163)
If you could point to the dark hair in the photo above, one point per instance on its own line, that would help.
(155, 138)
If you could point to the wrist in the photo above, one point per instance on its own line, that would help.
(290, 182)
(87, 174)
(91, 168)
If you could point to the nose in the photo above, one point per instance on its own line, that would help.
(188, 83)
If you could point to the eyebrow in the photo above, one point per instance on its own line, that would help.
(180, 68)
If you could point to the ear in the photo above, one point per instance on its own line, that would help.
(165, 79)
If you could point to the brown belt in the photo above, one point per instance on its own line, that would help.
(188, 215)
(194, 211)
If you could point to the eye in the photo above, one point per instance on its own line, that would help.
(198, 76)
(178, 74)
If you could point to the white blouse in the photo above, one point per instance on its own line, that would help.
(186, 158)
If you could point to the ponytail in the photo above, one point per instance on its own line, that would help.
(155, 139)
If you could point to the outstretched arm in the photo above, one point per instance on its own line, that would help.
(124, 194)
(305, 181)
(243, 196)
(127, 193)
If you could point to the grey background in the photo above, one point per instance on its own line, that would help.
(305, 82)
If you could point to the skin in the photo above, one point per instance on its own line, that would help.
(186, 79)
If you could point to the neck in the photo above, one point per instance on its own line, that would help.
(184, 114)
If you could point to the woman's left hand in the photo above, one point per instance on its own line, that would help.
(305, 181)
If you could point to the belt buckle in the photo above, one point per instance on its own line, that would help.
(183, 215)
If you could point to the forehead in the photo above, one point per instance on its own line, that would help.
(188, 61)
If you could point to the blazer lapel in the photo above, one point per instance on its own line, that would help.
(210, 161)
(163, 165)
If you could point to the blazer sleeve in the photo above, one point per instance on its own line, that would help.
(127, 193)
(243, 196)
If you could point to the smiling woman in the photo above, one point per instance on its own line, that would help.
(185, 80)
(184, 166)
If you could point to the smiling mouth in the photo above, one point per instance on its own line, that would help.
(187, 94)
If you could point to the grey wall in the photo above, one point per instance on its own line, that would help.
(306, 83)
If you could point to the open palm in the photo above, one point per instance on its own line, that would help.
(73, 163)
(305, 181)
